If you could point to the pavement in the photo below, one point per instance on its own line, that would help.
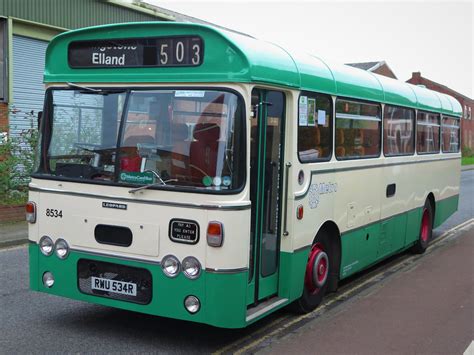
(425, 309)
(15, 233)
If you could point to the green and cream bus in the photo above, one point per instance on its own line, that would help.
(194, 173)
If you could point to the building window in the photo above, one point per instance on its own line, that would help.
(450, 134)
(358, 127)
(427, 133)
(398, 131)
(314, 127)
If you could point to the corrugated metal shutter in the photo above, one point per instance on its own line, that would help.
(28, 89)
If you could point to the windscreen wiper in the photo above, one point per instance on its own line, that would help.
(97, 91)
(93, 149)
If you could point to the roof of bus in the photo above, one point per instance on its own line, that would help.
(233, 57)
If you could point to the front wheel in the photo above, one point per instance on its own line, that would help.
(316, 278)
(426, 229)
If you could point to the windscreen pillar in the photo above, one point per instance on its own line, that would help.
(110, 121)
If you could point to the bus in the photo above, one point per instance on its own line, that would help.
(195, 173)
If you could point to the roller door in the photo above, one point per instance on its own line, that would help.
(28, 89)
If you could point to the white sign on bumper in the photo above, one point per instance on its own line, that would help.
(121, 287)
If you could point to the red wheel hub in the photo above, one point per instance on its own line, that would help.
(425, 225)
(317, 269)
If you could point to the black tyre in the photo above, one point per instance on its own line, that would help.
(426, 229)
(317, 275)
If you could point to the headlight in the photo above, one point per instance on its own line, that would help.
(170, 265)
(48, 279)
(62, 248)
(46, 245)
(192, 304)
(191, 267)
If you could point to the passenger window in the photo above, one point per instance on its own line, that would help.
(314, 127)
(450, 134)
(358, 127)
(427, 133)
(398, 131)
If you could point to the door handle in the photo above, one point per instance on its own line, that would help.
(391, 189)
(285, 200)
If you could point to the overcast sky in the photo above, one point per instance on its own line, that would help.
(435, 38)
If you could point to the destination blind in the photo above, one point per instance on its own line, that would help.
(136, 52)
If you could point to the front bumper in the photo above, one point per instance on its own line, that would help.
(222, 295)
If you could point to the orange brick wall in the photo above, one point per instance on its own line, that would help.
(3, 115)
(12, 213)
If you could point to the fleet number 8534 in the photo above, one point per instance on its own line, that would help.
(50, 212)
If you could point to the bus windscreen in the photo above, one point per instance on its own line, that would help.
(191, 139)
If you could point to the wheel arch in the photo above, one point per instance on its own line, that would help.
(432, 202)
(331, 228)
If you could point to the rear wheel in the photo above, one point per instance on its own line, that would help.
(317, 274)
(426, 229)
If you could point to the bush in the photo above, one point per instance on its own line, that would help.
(16, 164)
(467, 152)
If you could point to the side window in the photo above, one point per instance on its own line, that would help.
(450, 134)
(358, 127)
(427, 133)
(398, 131)
(314, 127)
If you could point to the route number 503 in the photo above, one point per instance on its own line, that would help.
(54, 213)
(180, 52)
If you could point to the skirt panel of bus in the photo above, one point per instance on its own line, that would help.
(222, 296)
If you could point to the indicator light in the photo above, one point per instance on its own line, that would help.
(215, 234)
(299, 212)
(30, 210)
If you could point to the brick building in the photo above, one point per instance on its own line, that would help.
(380, 67)
(467, 121)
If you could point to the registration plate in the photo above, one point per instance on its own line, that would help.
(121, 287)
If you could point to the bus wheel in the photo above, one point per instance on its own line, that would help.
(316, 275)
(426, 229)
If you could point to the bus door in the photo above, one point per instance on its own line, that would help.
(266, 176)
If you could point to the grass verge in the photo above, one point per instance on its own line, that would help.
(467, 160)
